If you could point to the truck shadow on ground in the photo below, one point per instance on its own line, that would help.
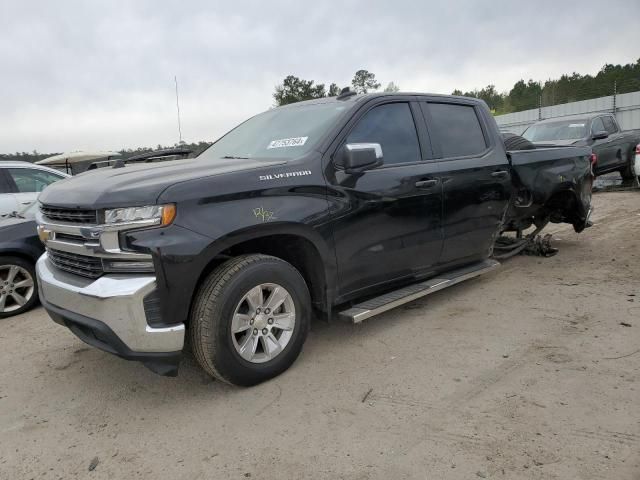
(81, 368)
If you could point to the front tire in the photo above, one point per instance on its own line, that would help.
(249, 319)
(628, 173)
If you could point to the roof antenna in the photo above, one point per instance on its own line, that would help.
(175, 79)
(345, 93)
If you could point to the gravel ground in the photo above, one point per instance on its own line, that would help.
(527, 372)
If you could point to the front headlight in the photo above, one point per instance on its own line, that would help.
(149, 215)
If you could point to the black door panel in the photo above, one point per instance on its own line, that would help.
(386, 221)
(474, 204)
(386, 228)
(476, 182)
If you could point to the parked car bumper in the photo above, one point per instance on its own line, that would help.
(108, 313)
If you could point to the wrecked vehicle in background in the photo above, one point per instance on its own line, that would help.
(613, 148)
(353, 204)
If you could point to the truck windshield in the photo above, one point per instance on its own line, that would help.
(561, 130)
(279, 133)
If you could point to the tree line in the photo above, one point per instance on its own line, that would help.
(568, 88)
(294, 89)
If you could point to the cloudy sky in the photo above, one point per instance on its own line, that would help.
(99, 74)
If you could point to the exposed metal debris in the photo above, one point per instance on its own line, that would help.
(533, 244)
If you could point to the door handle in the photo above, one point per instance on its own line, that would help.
(427, 183)
(500, 174)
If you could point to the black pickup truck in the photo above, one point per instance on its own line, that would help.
(613, 148)
(348, 205)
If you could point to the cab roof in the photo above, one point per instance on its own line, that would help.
(366, 96)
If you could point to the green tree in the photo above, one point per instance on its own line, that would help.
(391, 88)
(492, 97)
(334, 90)
(525, 96)
(294, 89)
(363, 81)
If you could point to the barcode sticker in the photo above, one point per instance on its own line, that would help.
(288, 142)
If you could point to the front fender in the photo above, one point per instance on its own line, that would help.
(22, 249)
(207, 226)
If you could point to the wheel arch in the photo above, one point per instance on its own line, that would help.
(20, 253)
(565, 206)
(300, 247)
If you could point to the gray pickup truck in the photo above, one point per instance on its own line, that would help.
(612, 147)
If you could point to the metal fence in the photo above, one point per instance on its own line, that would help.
(625, 106)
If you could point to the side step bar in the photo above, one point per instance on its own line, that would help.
(378, 305)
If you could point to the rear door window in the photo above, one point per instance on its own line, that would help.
(457, 129)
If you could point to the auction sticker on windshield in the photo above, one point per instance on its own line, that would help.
(288, 142)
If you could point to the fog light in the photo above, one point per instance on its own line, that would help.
(124, 266)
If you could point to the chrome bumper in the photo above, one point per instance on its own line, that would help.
(114, 300)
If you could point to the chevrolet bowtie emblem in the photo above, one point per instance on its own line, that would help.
(90, 233)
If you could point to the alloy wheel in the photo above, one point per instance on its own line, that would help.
(263, 323)
(16, 287)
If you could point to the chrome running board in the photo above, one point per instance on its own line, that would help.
(383, 303)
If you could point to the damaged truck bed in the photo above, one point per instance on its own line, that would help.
(551, 184)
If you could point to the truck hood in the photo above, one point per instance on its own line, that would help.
(134, 185)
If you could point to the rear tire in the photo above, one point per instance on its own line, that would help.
(224, 306)
(516, 142)
(18, 286)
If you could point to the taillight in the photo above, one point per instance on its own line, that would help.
(594, 158)
(638, 149)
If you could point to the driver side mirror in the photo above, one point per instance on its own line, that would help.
(357, 157)
(599, 135)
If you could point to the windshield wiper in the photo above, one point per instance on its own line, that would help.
(235, 157)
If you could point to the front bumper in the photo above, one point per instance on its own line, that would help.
(108, 313)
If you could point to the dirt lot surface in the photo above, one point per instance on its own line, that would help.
(527, 372)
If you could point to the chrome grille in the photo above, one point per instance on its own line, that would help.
(71, 215)
(83, 265)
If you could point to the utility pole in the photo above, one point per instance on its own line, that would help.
(615, 93)
(175, 79)
(540, 107)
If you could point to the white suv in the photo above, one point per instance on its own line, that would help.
(22, 182)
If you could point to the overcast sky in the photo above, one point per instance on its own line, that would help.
(99, 74)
